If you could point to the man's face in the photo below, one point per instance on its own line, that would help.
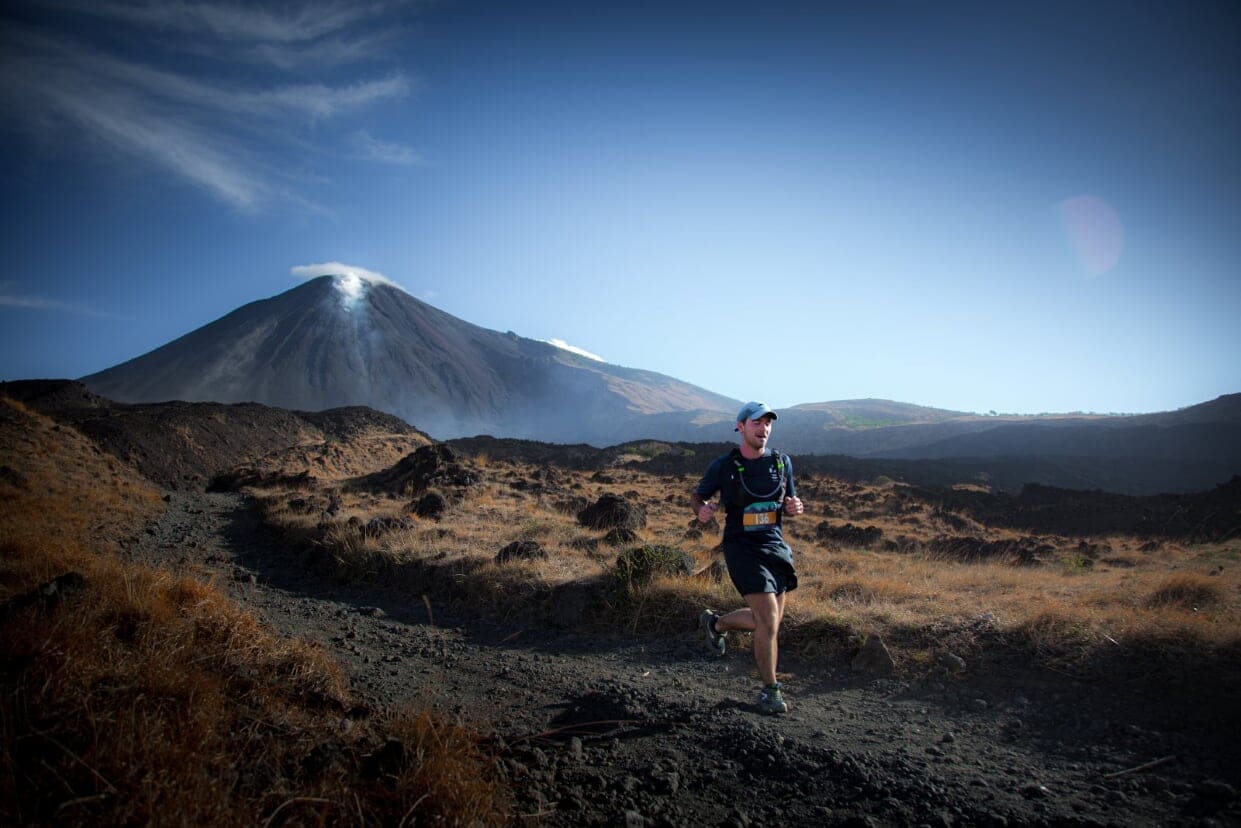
(755, 432)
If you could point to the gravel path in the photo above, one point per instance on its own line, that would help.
(647, 731)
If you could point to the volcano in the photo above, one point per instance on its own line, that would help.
(337, 341)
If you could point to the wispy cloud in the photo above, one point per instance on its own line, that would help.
(290, 23)
(373, 149)
(241, 136)
(9, 300)
(341, 270)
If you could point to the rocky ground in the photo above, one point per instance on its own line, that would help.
(618, 729)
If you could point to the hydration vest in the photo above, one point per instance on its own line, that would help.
(762, 509)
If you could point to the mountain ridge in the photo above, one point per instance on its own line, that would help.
(315, 346)
(329, 343)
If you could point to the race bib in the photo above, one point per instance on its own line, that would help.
(762, 515)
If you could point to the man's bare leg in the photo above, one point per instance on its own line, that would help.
(762, 616)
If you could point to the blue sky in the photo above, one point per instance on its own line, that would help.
(976, 206)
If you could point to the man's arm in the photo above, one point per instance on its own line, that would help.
(703, 509)
(792, 504)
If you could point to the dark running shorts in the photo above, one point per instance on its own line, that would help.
(752, 571)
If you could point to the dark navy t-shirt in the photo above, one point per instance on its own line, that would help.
(762, 478)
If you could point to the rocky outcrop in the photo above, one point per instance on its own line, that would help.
(436, 464)
(611, 511)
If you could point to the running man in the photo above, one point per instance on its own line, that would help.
(756, 490)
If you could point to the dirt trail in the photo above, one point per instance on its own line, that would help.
(618, 729)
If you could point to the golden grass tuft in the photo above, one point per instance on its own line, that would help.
(140, 696)
(1188, 590)
(148, 695)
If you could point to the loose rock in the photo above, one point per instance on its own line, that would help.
(874, 658)
(524, 550)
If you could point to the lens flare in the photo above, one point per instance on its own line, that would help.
(1094, 231)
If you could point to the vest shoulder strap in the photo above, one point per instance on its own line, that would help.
(739, 470)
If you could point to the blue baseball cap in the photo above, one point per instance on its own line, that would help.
(753, 411)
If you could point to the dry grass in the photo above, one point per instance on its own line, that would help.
(1073, 604)
(1189, 591)
(140, 697)
(1065, 611)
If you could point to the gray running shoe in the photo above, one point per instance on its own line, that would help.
(771, 701)
(715, 641)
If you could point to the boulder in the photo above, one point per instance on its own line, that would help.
(951, 663)
(430, 505)
(523, 550)
(874, 658)
(382, 525)
(611, 511)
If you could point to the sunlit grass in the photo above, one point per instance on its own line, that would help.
(136, 696)
(1064, 606)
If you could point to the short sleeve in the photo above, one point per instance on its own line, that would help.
(710, 483)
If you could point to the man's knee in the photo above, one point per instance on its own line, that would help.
(766, 610)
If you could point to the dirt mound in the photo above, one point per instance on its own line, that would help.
(175, 445)
(185, 445)
(234, 480)
(54, 395)
(849, 535)
(530, 453)
(433, 465)
(55, 479)
(365, 452)
(653, 456)
(356, 420)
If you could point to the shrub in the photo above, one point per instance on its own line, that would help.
(642, 563)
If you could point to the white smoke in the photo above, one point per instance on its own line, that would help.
(573, 349)
(350, 280)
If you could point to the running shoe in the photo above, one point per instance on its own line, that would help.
(771, 701)
(715, 641)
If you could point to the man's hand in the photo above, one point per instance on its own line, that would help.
(706, 512)
(793, 506)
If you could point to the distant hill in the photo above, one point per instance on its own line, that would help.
(1189, 449)
(326, 344)
(870, 413)
(331, 343)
